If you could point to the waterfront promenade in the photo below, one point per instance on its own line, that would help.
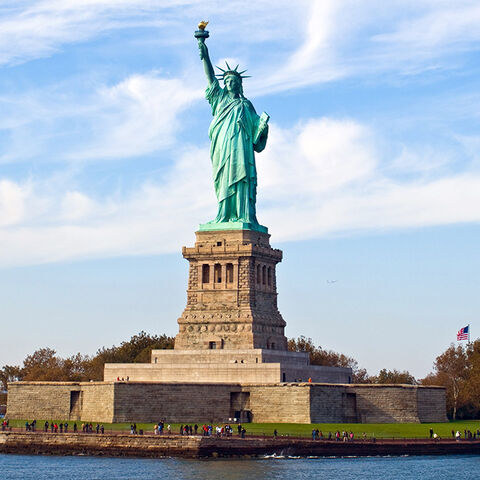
(149, 445)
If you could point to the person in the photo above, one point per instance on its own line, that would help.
(181, 429)
(239, 428)
(169, 429)
(195, 428)
(65, 427)
(458, 436)
(431, 432)
(243, 432)
(75, 427)
(155, 429)
(102, 429)
(275, 433)
(236, 132)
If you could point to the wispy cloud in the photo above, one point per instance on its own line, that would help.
(321, 177)
(134, 117)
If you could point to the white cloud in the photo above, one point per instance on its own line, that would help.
(134, 117)
(137, 116)
(321, 177)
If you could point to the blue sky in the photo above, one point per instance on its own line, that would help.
(371, 175)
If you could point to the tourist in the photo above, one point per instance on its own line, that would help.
(155, 429)
(61, 427)
(314, 434)
(52, 426)
(75, 427)
(102, 429)
(431, 432)
(27, 426)
(181, 429)
(239, 428)
(195, 427)
(97, 428)
(34, 425)
(458, 436)
(65, 427)
(275, 433)
(243, 432)
(169, 429)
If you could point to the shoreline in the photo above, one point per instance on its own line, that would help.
(191, 446)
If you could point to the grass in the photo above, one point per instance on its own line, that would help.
(378, 430)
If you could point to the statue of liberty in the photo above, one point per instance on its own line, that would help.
(236, 132)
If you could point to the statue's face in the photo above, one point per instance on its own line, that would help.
(233, 84)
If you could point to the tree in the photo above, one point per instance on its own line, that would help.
(10, 373)
(43, 364)
(394, 377)
(451, 371)
(319, 356)
(137, 350)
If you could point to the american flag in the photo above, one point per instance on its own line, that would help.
(463, 333)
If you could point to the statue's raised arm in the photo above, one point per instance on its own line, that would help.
(201, 35)
(236, 132)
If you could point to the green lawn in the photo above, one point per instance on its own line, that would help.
(379, 430)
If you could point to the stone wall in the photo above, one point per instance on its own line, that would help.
(326, 404)
(147, 402)
(285, 403)
(431, 404)
(53, 401)
(41, 400)
(215, 402)
(399, 403)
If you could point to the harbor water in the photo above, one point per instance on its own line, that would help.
(25, 467)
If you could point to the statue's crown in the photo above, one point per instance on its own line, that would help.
(231, 71)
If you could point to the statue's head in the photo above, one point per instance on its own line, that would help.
(232, 79)
(233, 83)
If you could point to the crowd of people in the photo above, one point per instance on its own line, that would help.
(338, 436)
(208, 430)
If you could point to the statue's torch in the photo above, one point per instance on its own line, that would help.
(201, 34)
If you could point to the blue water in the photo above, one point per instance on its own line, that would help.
(27, 467)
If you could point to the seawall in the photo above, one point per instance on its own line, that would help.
(198, 446)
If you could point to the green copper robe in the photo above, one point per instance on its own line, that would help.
(231, 132)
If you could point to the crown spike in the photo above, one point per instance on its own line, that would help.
(220, 68)
(243, 71)
(228, 66)
(236, 68)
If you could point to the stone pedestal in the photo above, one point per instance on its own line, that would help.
(232, 293)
